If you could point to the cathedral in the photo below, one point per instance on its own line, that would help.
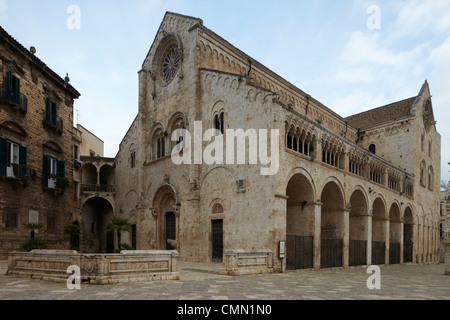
(349, 191)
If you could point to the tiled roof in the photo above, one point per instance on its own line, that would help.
(393, 111)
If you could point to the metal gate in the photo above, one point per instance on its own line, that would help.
(170, 230)
(330, 253)
(357, 252)
(378, 252)
(408, 252)
(394, 253)
(299, 252)
(217, 240)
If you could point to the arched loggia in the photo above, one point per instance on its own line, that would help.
(299, 223)
(332, 226)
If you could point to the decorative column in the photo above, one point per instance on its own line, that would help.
(317, 234)
(387, 240)
(369, 237)
(446, 244)
(346, 236)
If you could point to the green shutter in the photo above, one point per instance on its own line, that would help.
(47, 110)
(3, 156)
(22, 155)
(16, 93)
(8, 90)
(61, 169)
(45, 171)
(54, 113)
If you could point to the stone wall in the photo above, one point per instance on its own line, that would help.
(128, 266)
(52, 208)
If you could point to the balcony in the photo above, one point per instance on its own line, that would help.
(85, 188)
(18, 174)
(53, 122)
(14, 99)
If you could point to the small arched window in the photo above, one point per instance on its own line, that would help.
(422, 173)
(158, 144)
(430, 178)
(422, 142)
(217, 208)
(219, 122)
(373, 148)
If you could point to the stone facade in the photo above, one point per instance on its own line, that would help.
(353, 190)
(36, 147)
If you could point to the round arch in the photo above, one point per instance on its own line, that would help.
(300, 220)
(89, 173)
(358, 227)
(333, 220)
(408, 234)
(307, 175)
(379, 232)
(395, 233)
(96, 212)
(166, 210)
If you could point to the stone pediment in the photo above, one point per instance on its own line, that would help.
(14, 127)
(52, 93)
(52, 145)
(172, 25)
(12, 63)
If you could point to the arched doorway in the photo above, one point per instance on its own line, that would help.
(96, 213)
(358, 227)
(378, 232)
(408, 242)
(332, 226)
(299, 223)
(395, 234)
(166, 219)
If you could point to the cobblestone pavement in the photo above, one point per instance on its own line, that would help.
(200, 281)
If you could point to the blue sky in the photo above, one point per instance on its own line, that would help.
(324, 47)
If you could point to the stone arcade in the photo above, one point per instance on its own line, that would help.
(349, 191)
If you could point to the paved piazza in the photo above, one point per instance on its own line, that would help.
(200, 281)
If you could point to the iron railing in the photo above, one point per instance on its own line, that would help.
(378, 252)
(394, 253)
(408, 252)
(357, 252)
(97, 188)
(299, 250)
(331, 253)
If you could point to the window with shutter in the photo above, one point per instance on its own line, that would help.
(61, 169)
(3, 156)
(12, 90)
(45, 171)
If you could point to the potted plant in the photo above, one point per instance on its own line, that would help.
(62, 183)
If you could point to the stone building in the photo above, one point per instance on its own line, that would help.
(86, 148)
(348, 191)
(36, 147)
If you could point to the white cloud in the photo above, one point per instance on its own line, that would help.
(418, 17)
